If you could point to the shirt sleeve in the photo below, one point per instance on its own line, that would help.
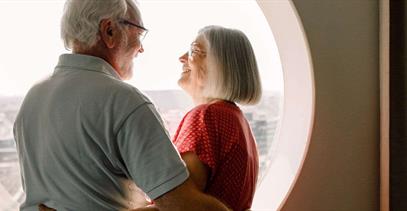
(148, 155)
(195, 135)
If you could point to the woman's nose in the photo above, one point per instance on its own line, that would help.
(184, 58)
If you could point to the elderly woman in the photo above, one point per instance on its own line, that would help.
(214, 138)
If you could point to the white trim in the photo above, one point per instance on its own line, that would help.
(298, 109)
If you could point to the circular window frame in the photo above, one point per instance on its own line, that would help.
(295, 129)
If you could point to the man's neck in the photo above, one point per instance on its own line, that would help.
(99, 52)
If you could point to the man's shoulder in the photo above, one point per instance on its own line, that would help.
(91, 90)
(128, 93)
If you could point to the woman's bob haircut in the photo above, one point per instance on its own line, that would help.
(232, 72)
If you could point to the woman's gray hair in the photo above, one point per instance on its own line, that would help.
(81, 19)
(232, 72)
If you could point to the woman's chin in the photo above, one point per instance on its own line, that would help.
(181, 84)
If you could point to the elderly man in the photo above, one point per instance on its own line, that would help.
(85, 138)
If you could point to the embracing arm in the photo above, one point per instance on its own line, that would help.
(189, 195)
(186, 197)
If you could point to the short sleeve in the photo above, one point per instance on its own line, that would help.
(147, 154)
(193, 136)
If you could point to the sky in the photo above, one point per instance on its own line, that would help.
(30, 42)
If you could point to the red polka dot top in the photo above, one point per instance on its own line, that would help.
(220, 136)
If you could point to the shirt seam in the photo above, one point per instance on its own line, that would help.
(62, 67)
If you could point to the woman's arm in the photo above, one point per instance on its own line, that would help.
(198, 172)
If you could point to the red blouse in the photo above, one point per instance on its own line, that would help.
(220, 136)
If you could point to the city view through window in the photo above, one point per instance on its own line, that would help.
(263, 119)
(156, 71)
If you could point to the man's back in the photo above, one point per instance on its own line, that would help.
(83, 136)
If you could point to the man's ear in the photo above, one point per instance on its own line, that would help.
(108, 33)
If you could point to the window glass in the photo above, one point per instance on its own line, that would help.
(33, 44)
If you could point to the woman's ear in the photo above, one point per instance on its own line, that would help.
(108, 33)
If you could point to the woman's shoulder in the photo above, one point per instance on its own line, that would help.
(223, 108)
(217, 106)
(217, 111)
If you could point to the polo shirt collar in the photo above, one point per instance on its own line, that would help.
(85, 62)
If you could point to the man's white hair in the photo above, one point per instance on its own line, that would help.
(81, 19)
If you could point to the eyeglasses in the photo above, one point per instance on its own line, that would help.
(194, 50)
(142, 34)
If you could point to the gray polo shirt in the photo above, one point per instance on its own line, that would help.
(84, 138)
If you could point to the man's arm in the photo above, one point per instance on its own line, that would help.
(189, 195)
(148, 208)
